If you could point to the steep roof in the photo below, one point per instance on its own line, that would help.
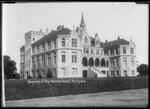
(53, 35)
(115, 43)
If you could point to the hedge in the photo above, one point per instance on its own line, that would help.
(21, 89)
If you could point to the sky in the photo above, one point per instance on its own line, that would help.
(109, 20)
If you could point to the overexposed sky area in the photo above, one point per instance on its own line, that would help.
(109, 20)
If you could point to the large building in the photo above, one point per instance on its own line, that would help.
(64, 53)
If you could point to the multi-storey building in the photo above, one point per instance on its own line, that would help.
(73, 53)
(122, 57)
(30, 37)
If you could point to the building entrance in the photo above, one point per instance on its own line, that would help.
(84, 73)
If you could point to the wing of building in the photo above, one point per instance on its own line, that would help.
(65, 53)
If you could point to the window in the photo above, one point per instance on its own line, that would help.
(43, 47)
(117, 51)
(63, 72)
(87, 50)
(55, 73)
(125, 72)
(49, 59)
(43, 60)
(132, 72)
(112, 52)
(124, 62)
(74, 42)
(38, 50)
(63, 42)
(74, 71)
(132, 62)
(74, 57)
(117, 73)
(33, 64)
(49, 45)
(131, 51)
(63, 56)
(84, 50)
(38, 62)
(33, 51)
(97, 52)
(117, 64)
(55, 58)
(106, 52)
(124, 50)
(85, 40)
(55, 43)
(92, 51)
(112, 63)
(112, 73)
(97, 42)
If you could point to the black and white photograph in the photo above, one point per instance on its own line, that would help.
(75, 54)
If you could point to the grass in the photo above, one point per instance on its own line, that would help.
(21, 89)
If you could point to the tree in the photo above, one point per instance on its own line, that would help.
(39, 76)
(16, 76)
(143, 70)
(9, 67)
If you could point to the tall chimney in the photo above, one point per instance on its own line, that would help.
(46, 31)
(118, 37)
(106, 40)
(62, 26)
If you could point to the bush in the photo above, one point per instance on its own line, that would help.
(16, 76)
(21, 89)
(29, 77)
(40, 76)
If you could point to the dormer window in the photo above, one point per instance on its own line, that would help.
(97, 42)
(85, 40)
(131, 51)
(63, 42)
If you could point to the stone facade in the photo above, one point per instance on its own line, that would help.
(64, 53)
(22, 62)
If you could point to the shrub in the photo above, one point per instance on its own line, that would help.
(21, 89)
(40, 76)
(29, 77)
(16, 76)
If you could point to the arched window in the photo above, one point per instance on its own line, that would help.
(63, 42)
(131, 51)
(91, 62)
(97, 62)
(124, 50)
(102, 63)
(85, 40)
(84, 61)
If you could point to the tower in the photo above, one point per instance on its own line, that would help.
(82, 24)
